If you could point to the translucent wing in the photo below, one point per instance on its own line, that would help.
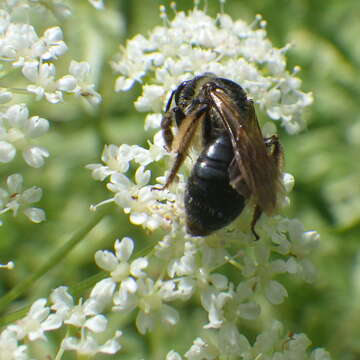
(254, 169)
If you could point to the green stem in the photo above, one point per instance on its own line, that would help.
(53, 260)
(60, 352)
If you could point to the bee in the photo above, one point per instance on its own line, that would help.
(236, 165)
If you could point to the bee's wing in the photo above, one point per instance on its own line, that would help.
(253, 170)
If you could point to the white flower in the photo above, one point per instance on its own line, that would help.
(123, 84)
(121, 270)
(243, 304)
(152, 121)
(200, 350)
(9, 347)
(151, 99)
(292, 239)
(151, 298)
(20, 43)
(9, 266)
(134, 63)
(86, 316)
(275, 292)
(83, 315)
(184, 262)
(140, 200)
(81, 72)
(5, 96)
(54, 45)
(88, 345)
(4, 21)
(35, 155)
(17, 43)
(230, 342)
(320, 354)
(43, 77)
(67, 83)
(272, 343)
(173, 355)
(17, 131)
(225, 308)
(16, 200)
(97, 4)
(7, 152)
(62, 301)
(261, 269)
(116, 158)
(214, 301)
(124, 300)
(36, 322)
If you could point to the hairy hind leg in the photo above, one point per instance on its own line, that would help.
(256, 217)
(183, 140)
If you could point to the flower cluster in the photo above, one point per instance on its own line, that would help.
(186, 46)
(132, 287)
(85, 317)
(273, 343)
(195, 43)
(22, 48)
(28, 67)
(146, 205)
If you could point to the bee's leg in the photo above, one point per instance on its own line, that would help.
(174, 114)
(166, 129)
(180, 156)
(256, 217)
(273, 140)
(166, 122)
(207, 131)
(183, 140)
(276, 151)
(169, 116)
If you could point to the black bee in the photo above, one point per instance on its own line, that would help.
(236, 163)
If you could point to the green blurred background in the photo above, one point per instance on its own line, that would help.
(325, 160)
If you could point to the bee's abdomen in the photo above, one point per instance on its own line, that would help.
(210, 202)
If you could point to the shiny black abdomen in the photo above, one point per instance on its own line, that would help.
(210, 202)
